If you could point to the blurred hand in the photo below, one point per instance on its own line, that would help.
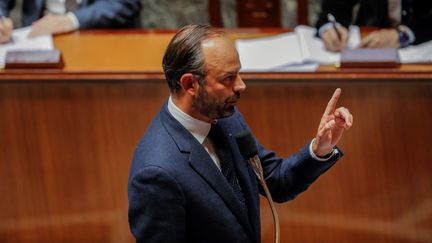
(332, 126)
(384, 38)
(6, 27)
(52, 24)
(331, 39)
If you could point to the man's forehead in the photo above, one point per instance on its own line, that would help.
(220, 55)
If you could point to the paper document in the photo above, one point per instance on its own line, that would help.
(298, 49)
(416, 54)
(20, 41)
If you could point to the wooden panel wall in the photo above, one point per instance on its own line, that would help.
(65, 151)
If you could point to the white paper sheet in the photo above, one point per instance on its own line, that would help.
(269, 52)
(20, 41)
(416, 54)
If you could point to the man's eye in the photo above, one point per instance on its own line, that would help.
(229, 78)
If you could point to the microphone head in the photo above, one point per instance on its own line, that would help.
(246, 144)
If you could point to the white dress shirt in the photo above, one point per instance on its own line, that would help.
(199, 129)
(59, 7)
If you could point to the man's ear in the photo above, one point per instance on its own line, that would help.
(189, 83)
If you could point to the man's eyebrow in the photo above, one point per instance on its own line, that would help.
(236, 71)
(229, 73)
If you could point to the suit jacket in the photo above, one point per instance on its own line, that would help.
(91, 13)
(177, 193)
(416, 14)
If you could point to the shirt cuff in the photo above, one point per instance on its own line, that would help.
(326, 27)
(411, 36)
(74, 19)
(327, 158)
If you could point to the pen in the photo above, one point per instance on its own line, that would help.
(332, 20)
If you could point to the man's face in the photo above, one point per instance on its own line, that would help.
(217, 97)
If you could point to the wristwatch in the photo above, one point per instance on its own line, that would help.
(403, 36)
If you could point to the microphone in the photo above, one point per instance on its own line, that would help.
(249, 151)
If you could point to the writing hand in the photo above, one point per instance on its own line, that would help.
(384, 38)
(331, 39)
(332, 126)
(6, 27)
(52, 24)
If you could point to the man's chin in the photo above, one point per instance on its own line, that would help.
(228, 111)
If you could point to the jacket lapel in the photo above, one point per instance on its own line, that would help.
(246, 178)
(205, 167)
(202, 163)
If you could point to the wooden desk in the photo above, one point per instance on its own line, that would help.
(137, 55)
(67, 137)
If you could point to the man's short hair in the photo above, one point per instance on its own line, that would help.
(184, 54)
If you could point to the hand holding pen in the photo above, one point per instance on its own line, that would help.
(6, 27)
(336, 36)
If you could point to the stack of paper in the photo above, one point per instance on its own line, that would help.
(417, 54)
(20, 41)
(302, 51)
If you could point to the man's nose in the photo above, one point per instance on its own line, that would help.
(239, 86)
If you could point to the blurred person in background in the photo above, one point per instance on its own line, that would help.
(400, 22)
(61, 16)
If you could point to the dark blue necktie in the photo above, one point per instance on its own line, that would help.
(226, 163)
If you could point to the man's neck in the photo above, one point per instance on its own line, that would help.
(185, 105)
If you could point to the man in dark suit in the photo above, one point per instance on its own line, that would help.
(59, 16)
(188, 181)
(401, 22)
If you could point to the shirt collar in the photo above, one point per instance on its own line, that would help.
(199, 129)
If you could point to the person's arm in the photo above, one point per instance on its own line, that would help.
(421, 21)
(340, 9)
(288, 177)
(6, 24)
(100, 14)
(156, 207)
(107, 14)
(342, 12)
(52, 24)
(6, 6)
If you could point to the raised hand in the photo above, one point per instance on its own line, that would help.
(332, 126)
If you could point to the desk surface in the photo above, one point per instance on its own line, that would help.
(137, 55)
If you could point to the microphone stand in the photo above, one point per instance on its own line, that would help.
(255, 163)
(249, 151)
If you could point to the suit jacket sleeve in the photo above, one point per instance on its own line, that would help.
(154, 194)
(421, 21)
(288, 177)
(340, 9)
(6, 6)
(108, 13)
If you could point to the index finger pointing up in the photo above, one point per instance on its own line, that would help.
(331, 106)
